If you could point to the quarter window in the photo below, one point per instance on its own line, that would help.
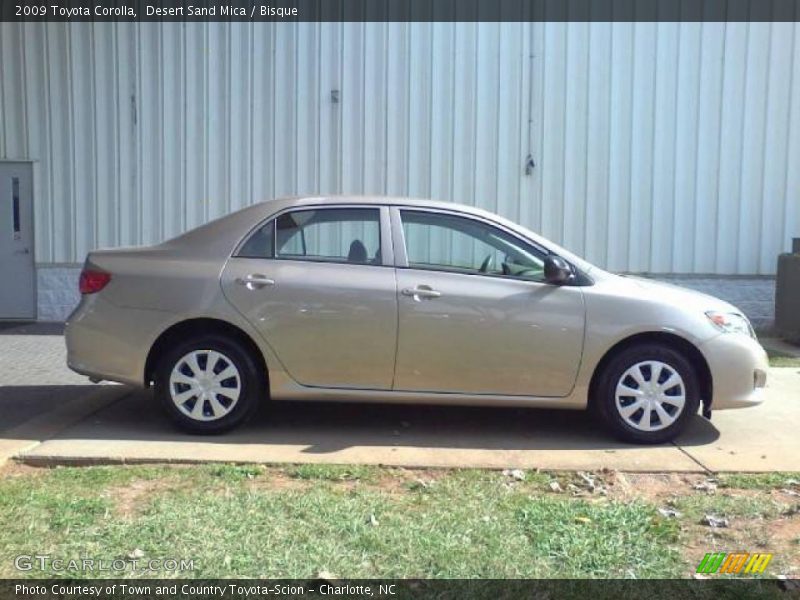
(261, 243)
(451, 243)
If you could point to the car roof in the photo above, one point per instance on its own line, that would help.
(236, 225)
(280, 204)
(292, 201)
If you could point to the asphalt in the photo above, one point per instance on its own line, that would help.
(52, 416)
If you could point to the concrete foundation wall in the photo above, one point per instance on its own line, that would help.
(58, 293)
(755, 296)
(57, 289)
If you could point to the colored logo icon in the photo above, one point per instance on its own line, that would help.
(741, 562)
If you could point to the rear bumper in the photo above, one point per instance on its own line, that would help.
(739, 367)
(109, 342)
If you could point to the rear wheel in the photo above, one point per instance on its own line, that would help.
(209, 384)
(647, 394)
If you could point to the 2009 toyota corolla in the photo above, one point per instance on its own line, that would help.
(398, 300)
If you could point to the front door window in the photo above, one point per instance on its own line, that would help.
(446, 242)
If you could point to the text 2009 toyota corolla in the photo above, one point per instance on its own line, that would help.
(399, 300)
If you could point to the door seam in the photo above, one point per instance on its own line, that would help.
(397, 328)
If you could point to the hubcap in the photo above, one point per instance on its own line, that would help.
(205, 385)
(650, 395)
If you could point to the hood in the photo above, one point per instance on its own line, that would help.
(677, 295)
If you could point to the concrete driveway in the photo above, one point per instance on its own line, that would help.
(52, 416)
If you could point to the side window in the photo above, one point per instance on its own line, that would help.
(347, 235)
(451, 243)
(261, 243)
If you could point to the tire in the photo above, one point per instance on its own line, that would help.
(227, 394)
(634, 407)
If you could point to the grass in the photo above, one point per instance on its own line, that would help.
(729, 506)
(354, 522)
(332, 472)
(782, 359)
(759, 481)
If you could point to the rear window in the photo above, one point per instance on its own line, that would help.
(342, 235)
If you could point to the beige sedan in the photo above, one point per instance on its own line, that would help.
(399, 300)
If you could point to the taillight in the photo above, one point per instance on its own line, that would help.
(92, 281)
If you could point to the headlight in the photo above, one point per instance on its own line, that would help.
(730, 323)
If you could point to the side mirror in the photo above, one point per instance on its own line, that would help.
(556, 270)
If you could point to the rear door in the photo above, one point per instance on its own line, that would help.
(318, 283)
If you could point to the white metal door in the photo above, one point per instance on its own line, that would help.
(17, 293)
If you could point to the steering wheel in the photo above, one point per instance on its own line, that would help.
(486, 262)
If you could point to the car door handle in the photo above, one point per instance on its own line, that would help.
(255, 281)
(420, 293)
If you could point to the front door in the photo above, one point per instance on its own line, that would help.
(314, 284)
(475, 315)
(17, 298)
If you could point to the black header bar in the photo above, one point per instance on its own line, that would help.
(419, 589)
(398, 10)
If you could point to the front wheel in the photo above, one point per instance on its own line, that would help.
(209, 384)
(647, 394)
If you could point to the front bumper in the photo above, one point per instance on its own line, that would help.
(738, 366)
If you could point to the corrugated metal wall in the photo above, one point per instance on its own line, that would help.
(659, 147)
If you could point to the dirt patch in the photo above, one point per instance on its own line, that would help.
(391, 481)
(130, 498)
(655, 487)
(277, 481)
(13, 469)
(401, 480)
(786, 533)
(787, 496)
